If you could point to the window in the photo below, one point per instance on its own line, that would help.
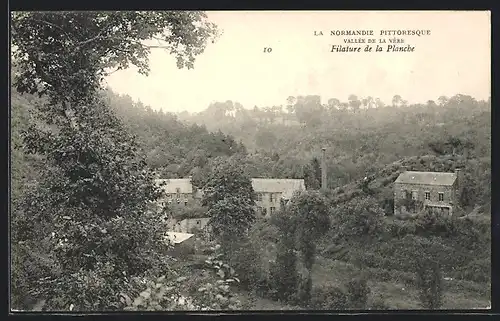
(272, 210)
(178, 192)
(403, 193)
(271, 197)
(259, 197)
(441, 197)
(264, 211)
(185, 202)
(427, 195)
(414, 195)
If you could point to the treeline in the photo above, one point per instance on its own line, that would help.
(359, 141)
(172, 148)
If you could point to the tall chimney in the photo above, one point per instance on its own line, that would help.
(323, 168)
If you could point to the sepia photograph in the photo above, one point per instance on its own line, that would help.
(250, 161)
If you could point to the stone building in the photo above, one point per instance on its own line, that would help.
(273, 193)
(414, 191)
(177, 190)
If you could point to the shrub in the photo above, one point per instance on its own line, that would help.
(246, 261)
(357, 293)
(406, 278)
(324, 297)
(304, 291)
(429, 282)
(284, 274)
(378, 303)
(477, 271)
(29, 264)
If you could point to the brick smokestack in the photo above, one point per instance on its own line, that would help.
(323, 168)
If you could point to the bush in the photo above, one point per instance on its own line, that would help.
(429, 282)
(29, 265)
(246, 261)
(378, 303)
(357, 293)
(406, 278)
(400, 228)
(284, 274)
(324, 297)
(477, 271)
(304, 288)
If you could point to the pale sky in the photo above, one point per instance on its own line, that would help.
(454, 58)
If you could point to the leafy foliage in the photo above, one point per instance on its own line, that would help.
(93, 199)
(166, 292)
(429, 281)
(301, 223)
(312, 175)
(284, 274)
(230, 199)
(357, 293)
(328, 298)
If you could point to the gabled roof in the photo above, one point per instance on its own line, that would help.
(427, 178)
(176, 237)
(273, 185)
(183, 184)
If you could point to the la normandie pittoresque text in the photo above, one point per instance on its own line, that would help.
(373, 41)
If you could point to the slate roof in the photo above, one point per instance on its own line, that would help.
(427, 178)
(184, 184)
(177, 237)
(274, 185)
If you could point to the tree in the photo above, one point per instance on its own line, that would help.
(95, 192)
(431, 103)
(442, 100)
(290, 104)
(359, 218)
(429, 282)
(310, 217)
(312, 175)
(397, 101)
(230, 199)
(333, 103)
(284, 273)
(354, 102)
(379, 103)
